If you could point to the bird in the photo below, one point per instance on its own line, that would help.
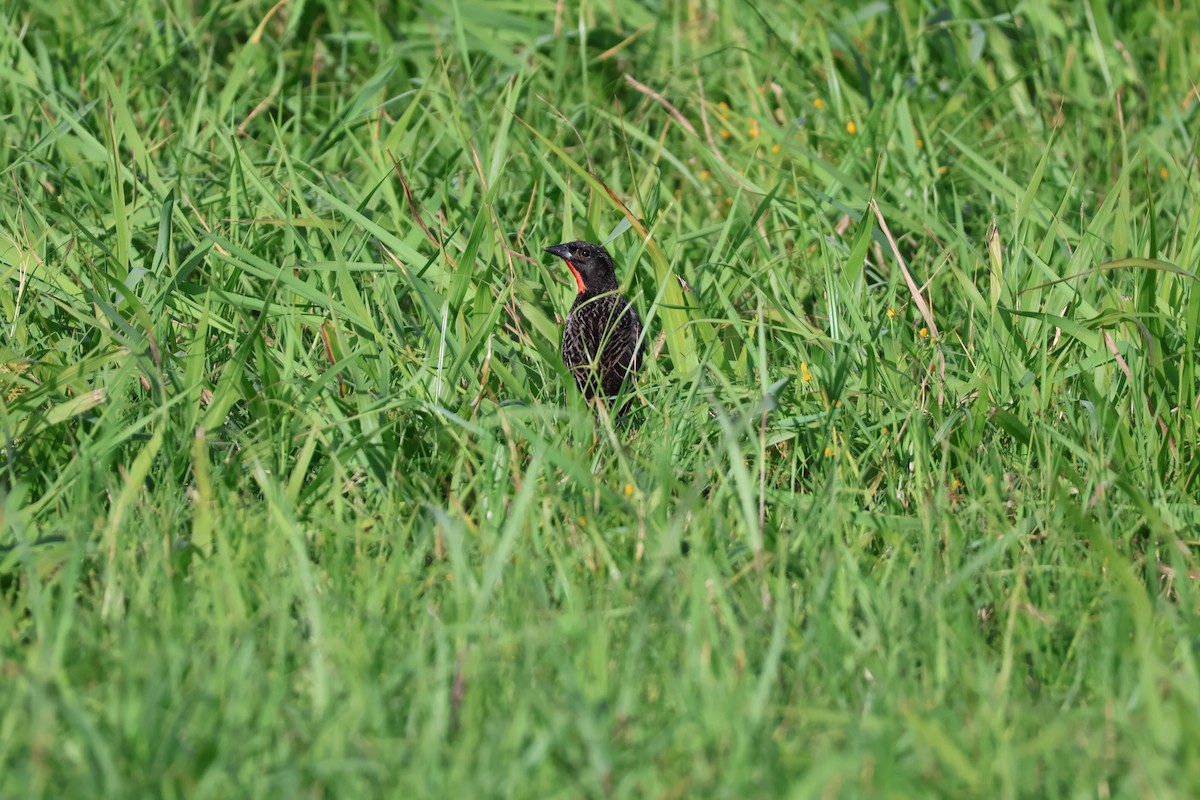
(602, 336)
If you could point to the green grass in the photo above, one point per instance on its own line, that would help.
(297, 500)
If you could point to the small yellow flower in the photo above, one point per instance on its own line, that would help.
(828, 452)
(753, 129)
(705, 174)
(920, 143)
(724, 133)
(943, 169)
(924, 332)
(582, 522)
(818, 104)
(891, 313)
(1165, 173)
(774, 148)
(629, 490)
(851, 128)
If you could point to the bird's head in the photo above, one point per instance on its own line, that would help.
(591, 265)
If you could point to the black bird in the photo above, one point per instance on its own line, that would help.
(602, 336)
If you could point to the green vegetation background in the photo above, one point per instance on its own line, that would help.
(296, 502)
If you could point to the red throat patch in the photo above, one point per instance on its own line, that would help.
(578, 277)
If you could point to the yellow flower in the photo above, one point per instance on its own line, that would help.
(774, 148)
(828, 452)
(629, 490)
(724, 133)
(943, 169)
(851, 128)
(818, 104)
(920, 143)
(705, 174)
(891, 313)
(1165, 173)
(924, 332)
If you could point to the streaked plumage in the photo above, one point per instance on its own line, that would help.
(601, 336)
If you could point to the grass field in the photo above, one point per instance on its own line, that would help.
(297, 500)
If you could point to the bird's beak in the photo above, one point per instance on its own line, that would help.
(563, 251)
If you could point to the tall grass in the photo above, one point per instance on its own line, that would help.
(298, 500)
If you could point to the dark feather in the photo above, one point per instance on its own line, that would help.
(601, 339)
(600, 343)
